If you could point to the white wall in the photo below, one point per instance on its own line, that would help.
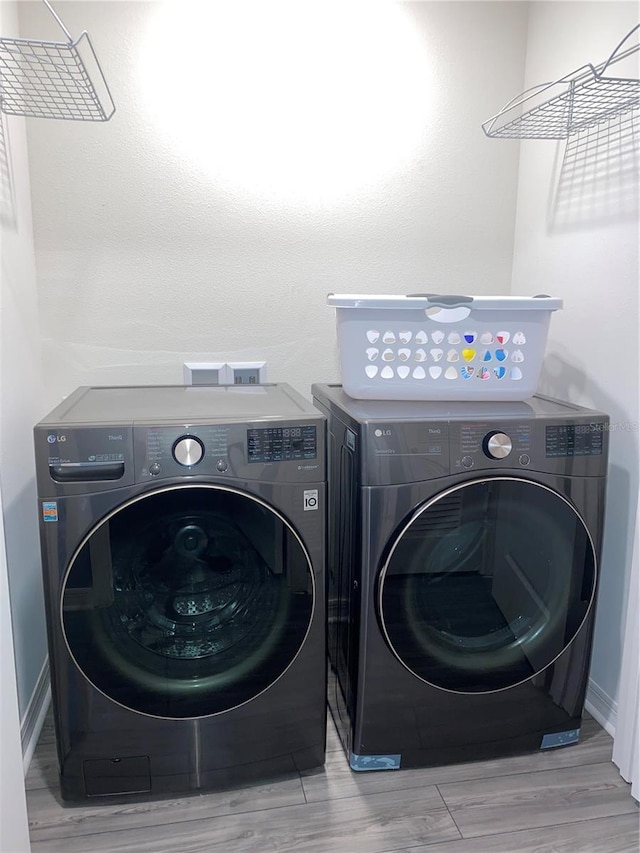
(577, 237)
(211, 216)
(22, 628)
(149, 253)
(14, 832)
(213, 227)
(21, 400)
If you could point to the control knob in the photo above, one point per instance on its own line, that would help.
(188, 451)
(497, 445)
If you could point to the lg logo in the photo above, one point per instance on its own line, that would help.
(53, 438)
(380, 432)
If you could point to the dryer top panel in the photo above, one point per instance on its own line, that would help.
(160, 404)
(407, 442)
(394, 411)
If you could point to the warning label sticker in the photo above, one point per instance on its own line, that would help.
(49, 511)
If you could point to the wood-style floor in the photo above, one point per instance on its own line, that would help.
(561, 801)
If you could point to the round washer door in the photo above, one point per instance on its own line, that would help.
(486, 584)
(187, 601)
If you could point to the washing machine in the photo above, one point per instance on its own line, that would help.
(462, 575)
(183, 546)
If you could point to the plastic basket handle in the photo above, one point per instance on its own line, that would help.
(443, 300)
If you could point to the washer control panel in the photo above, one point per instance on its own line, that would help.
(275, 444)
(233, 450)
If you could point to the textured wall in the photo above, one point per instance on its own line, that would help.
(577, 237)
(256, 164)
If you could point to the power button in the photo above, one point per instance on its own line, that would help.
(524, 459)
(467, 461)
(222, 465)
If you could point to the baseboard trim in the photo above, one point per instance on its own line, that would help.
(601, 707)
(31, 725)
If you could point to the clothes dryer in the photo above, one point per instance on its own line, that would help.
(462, 575)
(183, 545)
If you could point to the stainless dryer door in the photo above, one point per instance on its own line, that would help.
(187, 601)
(486, 584)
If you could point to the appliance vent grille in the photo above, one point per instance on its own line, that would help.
(442, 516)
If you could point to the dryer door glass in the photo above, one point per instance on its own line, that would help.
(486, 585)
(188, 601)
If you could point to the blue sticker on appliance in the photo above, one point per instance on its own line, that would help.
(49, 511)
(374, 762)
(560, 739)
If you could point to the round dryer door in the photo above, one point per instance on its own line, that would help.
(187, 601)
(486, 585)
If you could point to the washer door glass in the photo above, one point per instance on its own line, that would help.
(486, 585)
(188, 601)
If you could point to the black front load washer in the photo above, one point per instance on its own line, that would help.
(183, 553)
(462, 575)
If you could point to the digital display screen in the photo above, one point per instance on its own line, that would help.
(574, 440)
(280, 444)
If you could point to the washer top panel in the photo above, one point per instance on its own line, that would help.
(161, 404)
(104, 438)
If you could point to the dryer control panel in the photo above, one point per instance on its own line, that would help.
(411, 452)
(400, 442)
(483, 444)
(575, 448)
(565, 440)
(570, 448)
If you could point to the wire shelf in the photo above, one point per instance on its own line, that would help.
(577, 101)
(50, 79)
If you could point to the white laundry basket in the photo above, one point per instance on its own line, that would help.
(441, 347)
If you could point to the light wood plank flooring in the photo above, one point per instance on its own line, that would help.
(570, 800)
